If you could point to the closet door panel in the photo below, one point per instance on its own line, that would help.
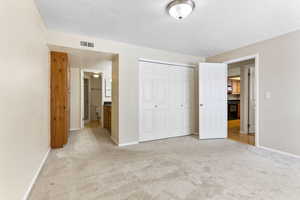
(154, 101)
(161, 107)
(148, 128)
(147, 106)
(189, 101)
(147, 102)
(176, 101)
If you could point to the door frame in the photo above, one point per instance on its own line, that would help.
(249, 96)
(256, 59)
(82, 92)
(193, 66)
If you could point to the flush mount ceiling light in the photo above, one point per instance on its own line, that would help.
(238, 78)
(96, 75)
(180, 9)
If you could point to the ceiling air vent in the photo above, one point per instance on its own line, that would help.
(90, 44)
(87, 44)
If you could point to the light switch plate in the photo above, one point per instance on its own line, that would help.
(268, 95)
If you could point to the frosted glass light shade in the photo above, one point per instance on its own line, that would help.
(96, 75)
(180, 9)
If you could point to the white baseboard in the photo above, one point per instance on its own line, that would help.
(123, 144)
(221, 138)
(114, 140)
(280, 152)
(75, 129)
(243, 132)
(163, 138)
(127, 144)
(36, 175)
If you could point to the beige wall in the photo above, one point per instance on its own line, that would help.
(126, 77)
(115, 100)
(278, 74)
(75, 99)
(24, 99)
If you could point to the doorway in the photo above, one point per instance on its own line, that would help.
(241, 101)
(92, 98)
(86, 100)
(90, 91)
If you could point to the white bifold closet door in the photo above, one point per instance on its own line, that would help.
(166, 101)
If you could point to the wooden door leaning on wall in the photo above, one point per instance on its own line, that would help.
(59, 99)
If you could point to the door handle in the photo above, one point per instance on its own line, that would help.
(201, 105)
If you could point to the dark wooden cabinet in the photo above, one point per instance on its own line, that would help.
(233, 109)
(107, 117)
(60, 99)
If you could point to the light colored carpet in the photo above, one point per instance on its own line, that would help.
(90, 167)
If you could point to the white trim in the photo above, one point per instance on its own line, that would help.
(162, 138)
(114, 140)
(256, 57)
(36, 175)
(140, 100)
(81, 98)
(280, 152)
(127, 144)
(92, 70)
(75, 129)
(167, 63)
(243, 132)
(241, 59)
(123, 144)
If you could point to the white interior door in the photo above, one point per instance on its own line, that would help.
(212, 100)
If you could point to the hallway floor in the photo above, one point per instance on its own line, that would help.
(234, 133)
(93, 124)
(91, 167)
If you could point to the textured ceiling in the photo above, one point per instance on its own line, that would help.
(215, 26)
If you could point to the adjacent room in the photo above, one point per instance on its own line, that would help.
(241, 100)
(92, 99)
(144, 100)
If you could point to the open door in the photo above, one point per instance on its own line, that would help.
(212, 100)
